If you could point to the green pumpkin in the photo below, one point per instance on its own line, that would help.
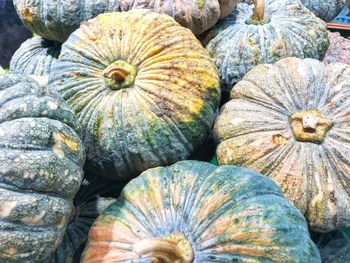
(325, 9)
(41, 159)
(197, 212)
(291, 122)
(143, 88)
(273, 30)
(36, 56)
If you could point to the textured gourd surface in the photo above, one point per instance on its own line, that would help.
(324, 9)
(227, 213)
(339, 49)
(56, 20)
(253, 130)
(163, 116)
(35, 57)
(41, 159)
(292, 31)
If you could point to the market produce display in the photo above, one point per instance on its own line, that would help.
(266, 33)
(143, 88)
(41, 159)
(290, 121)
(324, 9)
(197, 212)
(339, 49)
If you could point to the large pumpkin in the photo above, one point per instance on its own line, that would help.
(325, 9)
(143, 87)
(35, 57)
(276, 29)
(41, 159)
(339, 49)
(56, 20)
(291, 122)
(197, 212)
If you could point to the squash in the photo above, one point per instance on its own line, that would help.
(41, 160)
(266, 33)
(290, 121)
(339, 49)
(197, 212)
(143, 88)
(56, 20)
(35, 57)
(327, 10)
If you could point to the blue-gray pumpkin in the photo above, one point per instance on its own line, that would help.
(41, 160)
(325, 9)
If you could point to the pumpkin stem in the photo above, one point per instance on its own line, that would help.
(120, 74)
(258, 14)
(310, 126)
(174, 248)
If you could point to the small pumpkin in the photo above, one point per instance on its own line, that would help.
(41, 159)
(56, 20)
(290, 121)
(197, 212)
(264, 33)
(35, 57)
(339, 49)
(143, 88)
(325, 9)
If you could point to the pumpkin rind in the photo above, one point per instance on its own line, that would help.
(165, 112)
(290, 30)
(41, 159)
(324, 9)
(227, 213)
(36, 56)
(254, 129)
(339, 49)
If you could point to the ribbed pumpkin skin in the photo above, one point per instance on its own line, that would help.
(339, 49)
(163, 117)
(237, 47)
(56, 20)
(35, 57)
(325, 9)
(254, 130)
(228, 214)
(41, 159)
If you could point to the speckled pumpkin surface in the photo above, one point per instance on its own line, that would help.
(197, 212)
(339, 49)
(277, 29)
(291, 122)
(41, 159)
(35, 57)
(325, 9)
(143, 87)
(56, 20)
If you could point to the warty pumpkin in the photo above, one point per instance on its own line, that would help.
(325, 9)
(41, 159)
(197, 212)
(35, 57)
(143, 87)
(290, 121)
(339, 49)
(56, 20)
(264, 33)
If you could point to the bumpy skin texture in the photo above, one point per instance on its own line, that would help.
(227, 213)
(56, 20)
(36, 56)
(254, 130)
(324, 9)
(41, 159)
(339, 49)
(163, 116)
(237, 47)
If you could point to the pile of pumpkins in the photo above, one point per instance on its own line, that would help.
(102, 111)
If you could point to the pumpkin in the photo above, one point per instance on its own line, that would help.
(56, 20)
(41, 159)
(275, 29)
(143, 88)
(325, 9)
(89, 203)
(290, 121)
(339, 49)
(197, 212)
(35, 57)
